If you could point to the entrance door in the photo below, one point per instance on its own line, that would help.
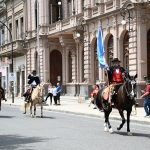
(55, 67)
(148, 54)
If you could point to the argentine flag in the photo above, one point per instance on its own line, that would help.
(100, 50)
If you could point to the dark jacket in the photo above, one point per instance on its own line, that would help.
(32, 78)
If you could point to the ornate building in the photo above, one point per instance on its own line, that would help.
(61, 39)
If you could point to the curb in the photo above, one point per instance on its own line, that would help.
(113, 117)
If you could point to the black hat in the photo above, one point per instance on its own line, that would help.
(34, 71)
(115, 60)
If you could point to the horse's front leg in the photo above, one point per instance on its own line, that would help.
(128, 122)
(123, 119)
(31, 110)
(41, 110)
(107, 126)
(34, 110)
(25, 108)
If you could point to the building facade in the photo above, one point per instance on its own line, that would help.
(60, 40)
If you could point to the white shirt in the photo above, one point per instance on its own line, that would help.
(55, 91)
(50, 90)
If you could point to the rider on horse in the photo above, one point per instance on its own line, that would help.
(116, 75)
(33, 81)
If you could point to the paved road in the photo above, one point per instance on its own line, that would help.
(61, 131)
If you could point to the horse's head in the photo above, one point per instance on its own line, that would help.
(131, 86)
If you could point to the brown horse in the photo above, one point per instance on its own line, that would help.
(36, 98)
(123, 99)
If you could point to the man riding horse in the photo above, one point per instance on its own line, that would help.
(33, 81)
(116, 75)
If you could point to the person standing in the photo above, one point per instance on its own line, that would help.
(50, 93)
(58, 92)
(55, 94)
(146, 97)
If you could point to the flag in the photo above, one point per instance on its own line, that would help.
(100, 50)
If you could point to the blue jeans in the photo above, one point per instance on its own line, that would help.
(147, 105)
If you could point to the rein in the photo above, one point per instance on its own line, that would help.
(126, 89)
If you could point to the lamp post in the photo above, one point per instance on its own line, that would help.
(12, 68)
(59, 4)
(125, 10)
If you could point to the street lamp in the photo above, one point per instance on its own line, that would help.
(59, 4)
(12, 64)
(125, 10)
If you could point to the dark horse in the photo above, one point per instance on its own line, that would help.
(123, 99)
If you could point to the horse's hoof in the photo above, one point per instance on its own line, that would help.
(32, 116)
(24, 112)
(110, 130)
(105, 129)
(118, 129)
(129, 133)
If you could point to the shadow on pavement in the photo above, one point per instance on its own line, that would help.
(7, 117)
(133, 134)
(13, 142)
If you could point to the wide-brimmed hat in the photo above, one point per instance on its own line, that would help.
(115, 60)
(34, 71)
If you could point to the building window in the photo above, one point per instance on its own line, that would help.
(126, 51)
(17, 30)
(70, 66)
(3, 37)
(110, 50)
(54, 11)
(69, 7)
(22, 26)
(36, 5)
(96, 67)
(10, 28)
(82, 65)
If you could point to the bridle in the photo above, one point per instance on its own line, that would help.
(130, 93)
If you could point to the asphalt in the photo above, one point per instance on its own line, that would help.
(77, 105)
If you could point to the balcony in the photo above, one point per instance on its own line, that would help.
(66, 25)
(18, 49)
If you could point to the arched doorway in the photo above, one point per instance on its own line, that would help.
(148, 54)
(126, 50)
(110, 50)
(96, 66)
(55, 67)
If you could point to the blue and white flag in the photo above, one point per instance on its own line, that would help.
(100, 50)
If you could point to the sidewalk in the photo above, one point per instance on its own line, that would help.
(71, 105)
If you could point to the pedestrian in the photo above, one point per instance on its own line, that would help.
(58, 92)
(146, 97)
(55, 94)
(94, 94)
(50, 93)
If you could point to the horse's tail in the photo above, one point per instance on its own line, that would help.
(98, 99)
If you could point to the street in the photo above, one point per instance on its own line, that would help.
(64, 131)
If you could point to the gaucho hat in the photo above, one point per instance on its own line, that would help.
(115, 60)
(34, 71)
